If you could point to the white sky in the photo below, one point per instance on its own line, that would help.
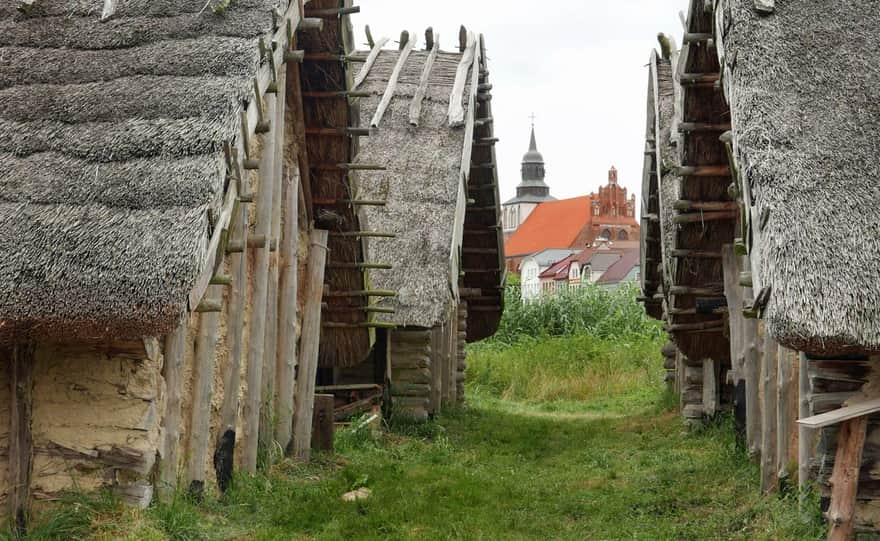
(578, 65)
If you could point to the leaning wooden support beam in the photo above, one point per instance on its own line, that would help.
(415, 106)
(309, 345)
(175, 350)
(288, 286)
(257, 341)
(768, 414)
(786, 413)
(456, 96)
(845, 478)
(270, 356)
(733, 295)
(391, 87)
(368, 65)
(109, 9)
(202, 393)
(20, 440)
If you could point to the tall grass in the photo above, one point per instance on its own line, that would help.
(603, 313)
(583, 344)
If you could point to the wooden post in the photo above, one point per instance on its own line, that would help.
(845, 478)
(446, 363)
(751, 369)
(310, 341)
(224, 451)
(286, 362)
(768, 411)
(257, 341)
(710, 387)
(733, 294)
(322, 423)
(175, 347)
(202, 392)
(805, 435)
(436, 370)
(267, 422)
(21, 442)
(786, 408)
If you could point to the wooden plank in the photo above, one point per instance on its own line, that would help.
(109, 9)
(391, 87)
(751, 374)
(840, 415)
(765, 7)
(368, 65)
(322, 423)
(310, 341)
(286, 362)
(224, 449)
(768, 414)
(415, 106)
(257, 342)
(710, 387)
(786, 413)
(202, 393)
(845, 478)
(21, 441)
(175, 346)
(456, 109)
(436, 370)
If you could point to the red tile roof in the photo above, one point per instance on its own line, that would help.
(620, 268)
(554, 224)
(559, 270)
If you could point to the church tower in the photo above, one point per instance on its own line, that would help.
(531, 191)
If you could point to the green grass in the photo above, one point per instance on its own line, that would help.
(567, 436)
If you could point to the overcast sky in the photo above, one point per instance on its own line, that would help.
(578, 65)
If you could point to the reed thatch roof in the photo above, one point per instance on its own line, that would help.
(804, 92)
(111, 156)
(422, 186)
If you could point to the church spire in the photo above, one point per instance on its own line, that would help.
(533, 146)
(533, 184)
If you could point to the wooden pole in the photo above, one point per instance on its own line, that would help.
(202, 392)
(175, 348)
(845, 478)
(257, 341)
(267, 428)
(769, 413)
(224, 451)
(805, 435)
(286, 362)
(751, 374)
(710, 387)
(21, 441)
(786, 408)
(436, 369)
(733, 294)
(310, 342)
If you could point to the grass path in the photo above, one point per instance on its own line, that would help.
(499, 470)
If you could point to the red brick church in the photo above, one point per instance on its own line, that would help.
(535, 221)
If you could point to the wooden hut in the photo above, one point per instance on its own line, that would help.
(798, 255)
(155, 229)
(427, 192)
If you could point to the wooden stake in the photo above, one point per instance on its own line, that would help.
(786, 408)
(286, 363)
(391, 88)
(202, 392)
(456, 109)
(415, 106)
(768, 411)
(322, 423)
(310, 341)
(257, 341)
(845, 478)
(733, 294)
(175, 347)
(805, 435)
(368, 65)
(21, 441)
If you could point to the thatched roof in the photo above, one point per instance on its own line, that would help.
(111, 156)
(422, 185)
(804, 103)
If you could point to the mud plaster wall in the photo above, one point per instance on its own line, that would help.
(96, 415)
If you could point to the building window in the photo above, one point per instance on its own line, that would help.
(622, 235)
(606, 234)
